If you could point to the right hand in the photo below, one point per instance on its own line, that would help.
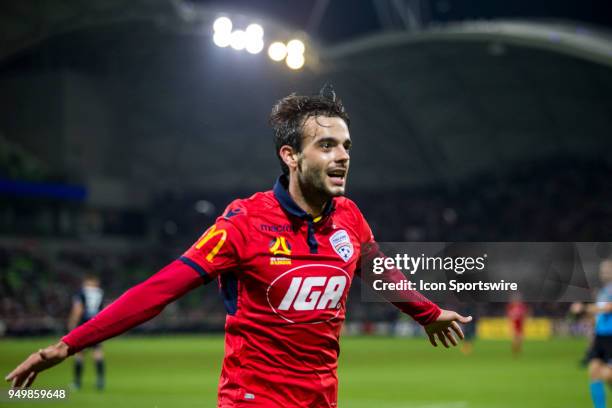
(25, 373)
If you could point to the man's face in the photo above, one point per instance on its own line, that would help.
(605, 271)
(323, 162)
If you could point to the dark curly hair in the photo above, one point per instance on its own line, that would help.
(290, 113)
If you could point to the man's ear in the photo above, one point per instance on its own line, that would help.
(289, 156)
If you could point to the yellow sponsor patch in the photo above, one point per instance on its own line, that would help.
(280, 261)
(280, 246)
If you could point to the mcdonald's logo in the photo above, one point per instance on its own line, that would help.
(208, 235)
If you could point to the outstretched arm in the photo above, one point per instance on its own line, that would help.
(136, 306)
(439, 324)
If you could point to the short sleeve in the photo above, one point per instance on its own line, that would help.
(219, 248)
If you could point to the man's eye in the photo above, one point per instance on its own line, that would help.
(326, 145)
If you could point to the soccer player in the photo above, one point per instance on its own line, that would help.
(85, 305)
(517, 312)
(600, 354)
(284, 260)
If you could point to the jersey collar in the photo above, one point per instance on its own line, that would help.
(281, 193)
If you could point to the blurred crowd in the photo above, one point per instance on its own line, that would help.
(38, 283)
(546, 202)
(551, 201)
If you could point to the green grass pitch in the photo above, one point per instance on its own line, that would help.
(374, 372)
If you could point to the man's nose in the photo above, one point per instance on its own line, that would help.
(342, 155)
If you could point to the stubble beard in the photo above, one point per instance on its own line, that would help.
(312, 184)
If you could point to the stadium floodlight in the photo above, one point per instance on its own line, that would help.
(222, 25)
(254, 38)
(238, 40)
(251, 39)
(295, 47)
(255, 30)
(222, 39)
(295, 60)
(254, 45)
(277, 51)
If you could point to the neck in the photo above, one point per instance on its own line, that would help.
(312, 202)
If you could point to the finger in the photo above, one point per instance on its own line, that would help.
(450, 337)
(24, 382)
(432, 339)
(13, 373)
(442, 339)
(457, 329)
(20, 372)
(18, 381)
(463, 319)
(30, 379)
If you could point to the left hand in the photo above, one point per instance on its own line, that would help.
(444, 327)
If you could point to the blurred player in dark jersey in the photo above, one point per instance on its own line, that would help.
(517, 311)
(600, 353)
(284, 260)
(85, 305)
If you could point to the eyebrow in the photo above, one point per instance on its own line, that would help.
(333, 139)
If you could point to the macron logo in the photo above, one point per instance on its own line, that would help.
(275, 228)
(314, 292)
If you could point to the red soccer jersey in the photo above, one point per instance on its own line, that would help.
(284, 278)
(517, 311)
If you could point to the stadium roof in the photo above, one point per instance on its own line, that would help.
(165, 107)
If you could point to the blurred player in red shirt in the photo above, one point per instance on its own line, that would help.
(517, 311)
(284, 260)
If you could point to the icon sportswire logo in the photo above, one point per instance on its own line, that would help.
(311, 293)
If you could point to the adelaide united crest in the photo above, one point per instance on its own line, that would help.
(341, 243)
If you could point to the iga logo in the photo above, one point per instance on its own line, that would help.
(307, 298)
(309, 293)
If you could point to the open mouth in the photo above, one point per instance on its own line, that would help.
(337, 176)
